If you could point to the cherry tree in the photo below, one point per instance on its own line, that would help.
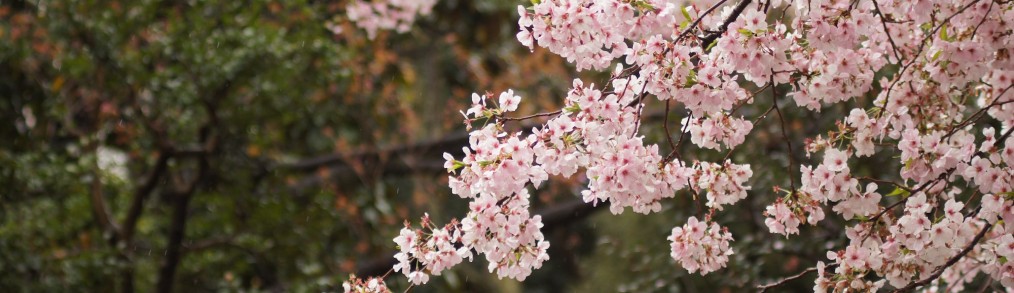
(936, 75)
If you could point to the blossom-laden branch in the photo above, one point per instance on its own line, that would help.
(950, 262)
(949, 66)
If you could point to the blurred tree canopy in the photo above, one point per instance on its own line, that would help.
(270, 146)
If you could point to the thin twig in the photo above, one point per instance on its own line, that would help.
(765, 287)
(706, 41)
(557, 112)
(896, 184)
(698, 21)
(785, 134)
(883, 22)
(665, 124)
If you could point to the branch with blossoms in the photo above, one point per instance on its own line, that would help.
(938, 73)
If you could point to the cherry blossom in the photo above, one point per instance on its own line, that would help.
(927, 84)
(397, 15)
(370, 285)
(702, 246)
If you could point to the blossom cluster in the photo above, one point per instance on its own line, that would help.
(929, 84)
(701, 246)
(786, 213)
(591, 34)
(398, 15)
(504, 232)
(726, 182)
(507, 235)
(708, 132)
(432, 252)
(370, 285)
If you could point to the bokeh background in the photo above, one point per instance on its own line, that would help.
(263, 145)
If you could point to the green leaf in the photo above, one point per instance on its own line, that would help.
(573, 108)
(943, 33)
(457, 165)
(898, 191)
(686, 14)
(691, 78)
(643, 5)
(712, 45)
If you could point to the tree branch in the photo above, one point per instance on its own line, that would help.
(765, 287)
(706, 40)
(140, 195)
(785, 134)
(182, 195)
(936, 274)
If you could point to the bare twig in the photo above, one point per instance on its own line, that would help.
(557, 112)
(896, 184)
(785, 134)
(665, 124)
(765, 287)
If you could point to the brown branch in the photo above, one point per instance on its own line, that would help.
(640, 106)
(182, 195)
(177, 229)
(765, 287)
(697, 21)
(665, 125)
(980, 113)
(896, 184)
(433, 148)
(940, 270)
(1004, 137)
(141, 194)
(400, 160)
(785, 134)
(547, 114)
(883, 22)
(911, 192)
(100, 210)
(706, 41)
